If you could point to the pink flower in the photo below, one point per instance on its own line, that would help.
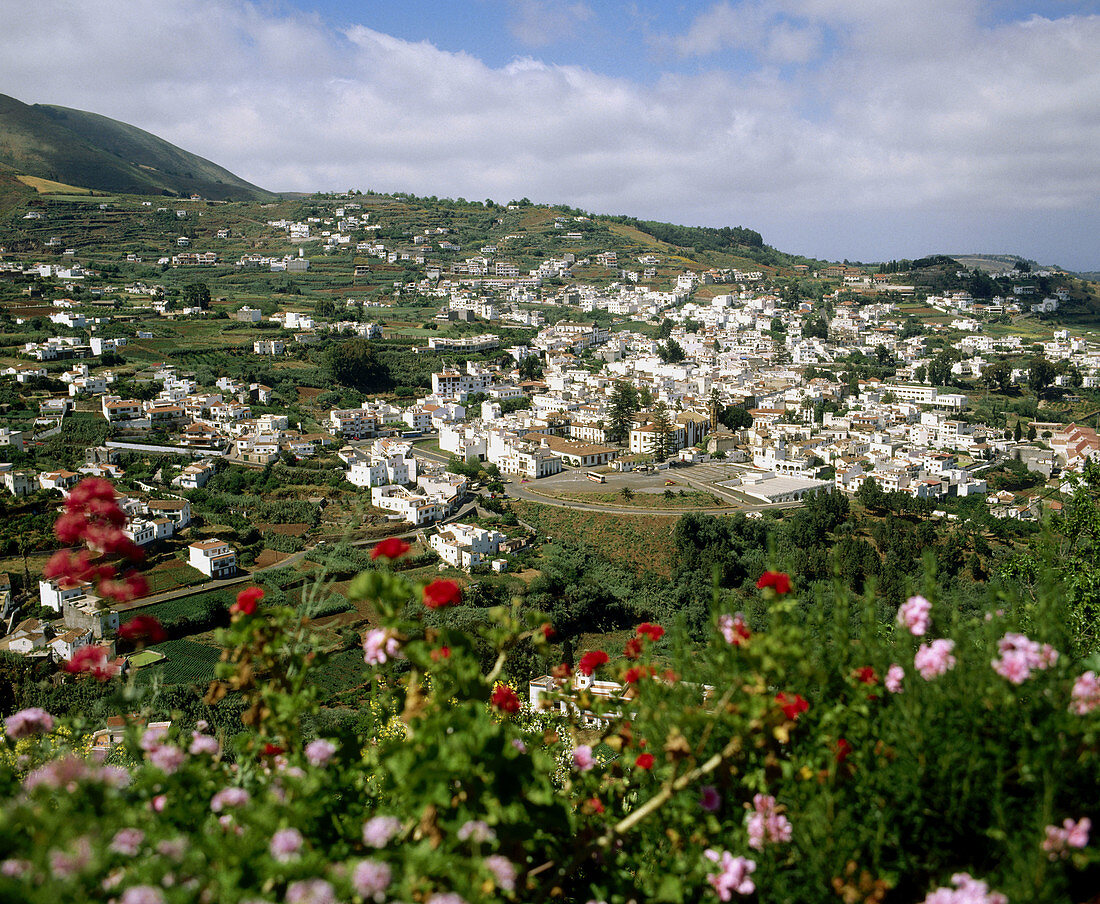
(285, 845)
(319, 752)
(766, 825)
(378, 830)
(229, 797)
(310, 891)
(1020, 656)
(733, 628)
(93, 660)
(476, 830)
(733, 874)
(167, 758)
(967, 890)
(27, 723)
(915, 615)
(1060, 839)
(709, 798)
(158, 803)
(142, 894)
(582, 758)
(201, 743)
(14, 869)
(127, 842)
(1085, 696)
(894, 676)
(934, 659)
(153, 737)
(371, 878)
(503, 870)
(379, 646)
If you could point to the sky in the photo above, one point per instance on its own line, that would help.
(840, 129)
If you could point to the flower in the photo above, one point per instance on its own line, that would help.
(127, 842)
(561, 671)
(894, 676)
(379, 646)
(143, 629)
(637, 673)
(319, 752)
(142, 894)
(547, 631)
(596, 804)
(1070, 834)
(476, 830)
(591, 661)
(440, 654)
(27, 723)
(792, 707)
(644, 761)
(519, 745)
(378, 830)
(203, 743)
(1085, 696)
(915, 615)
(866, 675)
(93, 660)
(229, 797)
(733, 874)
(168, 758)
(271, 749)
(247, 601)
(766, 825)
(709, 798)
(505, 699)
(503, 870)
(734, 629)
(390, 548)
(843, 749)
(14, 869)
(440, 593)
(967, 891)
(371, 878)
(1020, 656)
(632, 649)
(285, 845)
(934, 659)
(449, 897)
(582, 758)
(777, 580)
(653, 632)
(310, 891)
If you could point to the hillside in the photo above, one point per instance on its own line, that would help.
(91, 151)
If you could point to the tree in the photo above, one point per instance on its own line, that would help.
(354, 363)
(530, 368)
(1040, 374)
(624, 403)
(664, 331)
(815, 328)
(196, 295)
(671, 352)
(662, 429)
(998, 376)
(1018, 433)
(645, 397)
(939, 370)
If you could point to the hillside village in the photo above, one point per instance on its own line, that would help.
(798, 378)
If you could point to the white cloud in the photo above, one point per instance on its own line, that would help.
(937, 120)
(538, 23)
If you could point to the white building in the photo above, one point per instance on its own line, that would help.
(464, 545)
(214, 558)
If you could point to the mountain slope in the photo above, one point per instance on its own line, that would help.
(95, 152)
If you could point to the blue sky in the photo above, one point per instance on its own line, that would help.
(859, 129)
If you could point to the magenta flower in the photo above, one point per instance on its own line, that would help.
(127, 842)
(934, 659)
(915, 614)
(476, 830)
(168, 758)
(503, 870)
(967, 890)
(766, 825)
(894, 677)
(202, 743)
(142, 894)
(1069, 835)
(378, 831)
(27, 723)
(709, 798)
(311, 891)
(379, 646)
(1020, 656)
(229, 797)
(285, 845)
(371, 878)
(732, 876)
(582, 758)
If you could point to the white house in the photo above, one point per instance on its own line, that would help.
(464, 545)
(214, 558)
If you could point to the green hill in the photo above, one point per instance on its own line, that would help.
(92, 151)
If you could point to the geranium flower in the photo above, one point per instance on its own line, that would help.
(644, 761)
(733, 629)
(505, 699)
(247, 600)
(653, 632)
(143, 629)
(440, 593)
(777, 580)
(866, 675)
(390, 548)
(93, 660)
(591, 661)
(915, 614)
(792, 707)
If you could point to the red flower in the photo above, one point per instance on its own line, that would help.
(390, 548)
(273, 749)
(505, 699)
(653, 632)
(440, 593)
(561, 671)
(247, 601)
(143, 629)
(591, 661)
(594, 803)
(777, 580)
(633, 648)
(843, 748)
(644, 761)
(93, 660)
(792, 707)
(866, 675)
(441, 653)
(547, 630)
(637, 673)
